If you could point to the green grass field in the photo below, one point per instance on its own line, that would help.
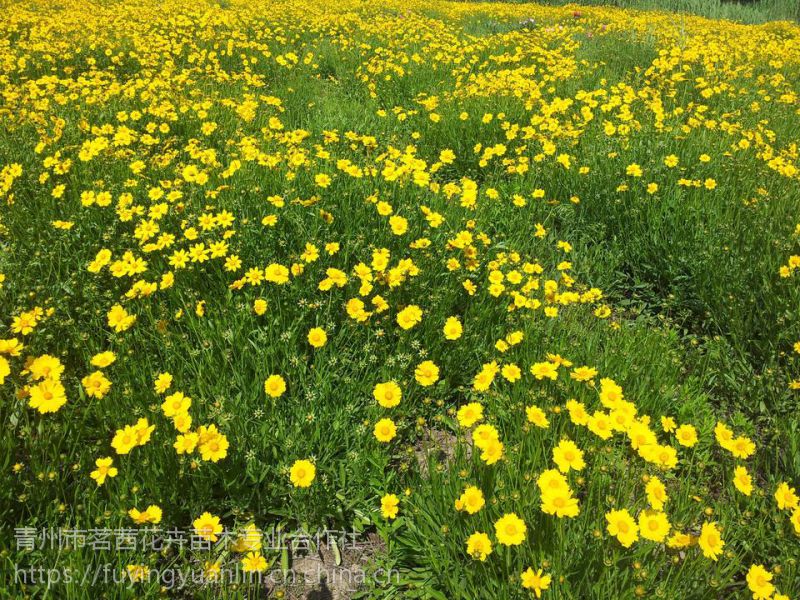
(745, 11)
(502, 298)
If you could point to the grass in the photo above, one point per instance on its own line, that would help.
(635, 211)
(746, 11)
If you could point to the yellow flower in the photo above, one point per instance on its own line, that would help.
(723, 435)
(143, 430)
(510, 530)
(119, 319)
(104, 469)
(46, 367)
(600, 425)
(786, 497)
(96, 384)
(186, 443)
(207, 526)
(479, 546)
(212, 570)
(471, 500)
(249, 539)
(560, 503)
(583, 373)
(254, 562)
(398, 224)
(47, 396)
(610, 394)
(176, 404)
(552, 482)
(385, 430)
(275, 386)
(742, 480)
(653, 525)
(511, 372)
(213, 447)
(758, 581)
(537, 417)
(275, 273)
(137, 573)
(182, 422)
(633, 170)
(389, 506)
(302, 473)
(668, 424)
(484, 434)
(162, 383)
(623, 415)
(12, 347)
(492, 452)
(259, 306)
(536, 581)
(545, 370)
(151, 515)
(621, 525)
(568, 456)
(317, 337)
(409, 316)
(686, 435)
(426, 373)
(125, 440)
(469, 414)
(679, 540)
(452, 328)
(483, 380)
(710, 541)
(661, 455)
(103, 359)
(656, 493)
(322, 180)
(795, 520)
(388, 394)
(577, 412)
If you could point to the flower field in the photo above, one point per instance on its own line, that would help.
(507, 294)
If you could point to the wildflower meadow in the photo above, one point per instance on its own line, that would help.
(421, 299)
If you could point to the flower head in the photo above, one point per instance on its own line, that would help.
(510, 530)
(275, 386)
(710, 541)
(390, 506)
(302, 473)
(207, 526)
(536, 581)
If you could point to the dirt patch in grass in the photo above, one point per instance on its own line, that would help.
(437, 446)
(317, 576)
